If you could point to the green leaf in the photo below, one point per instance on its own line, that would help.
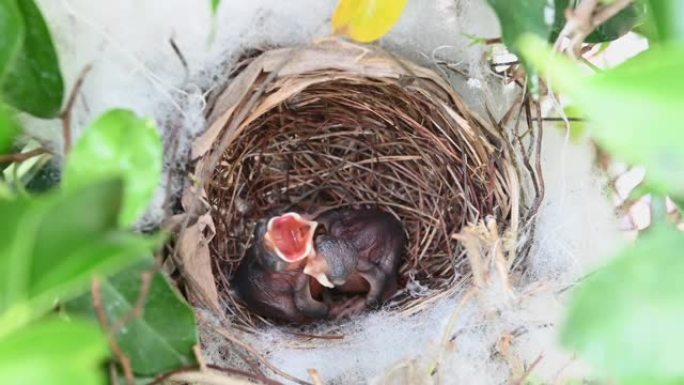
(618, 25)
(665, 20)
(214, 5)
(51, 246)
(627, 317)
(54, 352)
(612, 29)
(11, 33)
(522, 17)
(119, 144)
(161, 338)
(9, 130)
(558, 18)
(635, 108)
(33, 82)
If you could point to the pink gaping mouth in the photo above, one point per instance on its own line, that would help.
(291, 236)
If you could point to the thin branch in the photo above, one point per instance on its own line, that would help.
(588, 26)
(579, 18)
(529, 370)
(449, 330)
(315, 376)
(505, 63)
(179, 54)
(193, 368)
(538, 166)
(569, 119)
(104, 323)
(591, 65)
(256, 354)
(113, 373)
(22, 156)
(585, 9)
(139, 307)
(582, 21)
(315, 336)
(197, 351)
(66, 113)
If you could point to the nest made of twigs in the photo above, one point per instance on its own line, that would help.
(340, 125)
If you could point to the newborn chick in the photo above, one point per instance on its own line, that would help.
(379, 241)
(333, 261)
(270, 279)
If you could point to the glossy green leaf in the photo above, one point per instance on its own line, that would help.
(11, 33)
(627, 317)
(612, 29)
(54, 352)
(160, 339)
(522, 17)
(618, 25)
(9, 130)
(665, 20)
(559, 17)
(635, 108)
(51, 246)
(33, 82)
(119, 144)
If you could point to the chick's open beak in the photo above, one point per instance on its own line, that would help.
(291, 236)
(316, 266)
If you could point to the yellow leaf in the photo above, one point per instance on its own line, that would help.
(366, 20)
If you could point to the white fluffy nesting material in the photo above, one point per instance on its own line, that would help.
(135, 66)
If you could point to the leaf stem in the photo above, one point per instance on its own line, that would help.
(66, 113)
(139, 307)
(104, 323)
(22, 156)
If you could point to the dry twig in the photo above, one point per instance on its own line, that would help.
(101, 313)
(315, 376)
(218, 378)
(139, 306)
(66, 113)
(529, 370)
(22, 156)
(584, 19)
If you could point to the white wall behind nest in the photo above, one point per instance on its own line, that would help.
(135, 66)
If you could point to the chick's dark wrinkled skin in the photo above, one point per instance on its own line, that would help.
(341, 257)
(265, 256)
(379, 241)
(333, 261)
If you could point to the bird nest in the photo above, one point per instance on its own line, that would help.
(340, 125)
